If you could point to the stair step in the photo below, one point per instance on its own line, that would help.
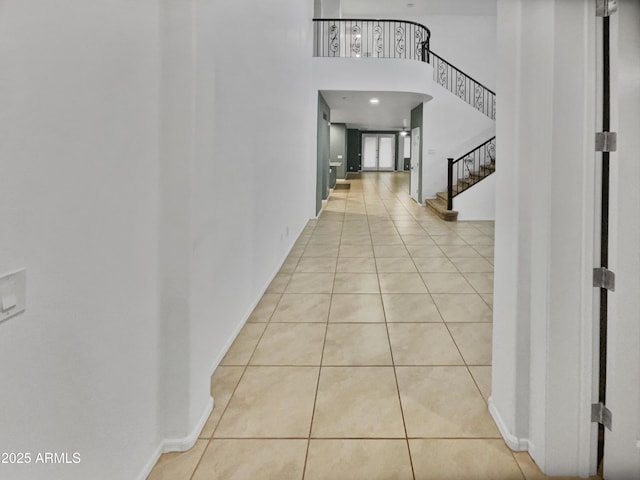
(443, 195)
(439, 206)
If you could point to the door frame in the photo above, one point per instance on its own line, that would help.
(622, 443)
(393, 152)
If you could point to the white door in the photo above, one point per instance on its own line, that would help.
(622, 443)
(386, 152)
(415, 164)
(379, 152)
(370, 152)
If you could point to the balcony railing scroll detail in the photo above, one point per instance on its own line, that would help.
(463, 86)
(470, 168)
(343, 37)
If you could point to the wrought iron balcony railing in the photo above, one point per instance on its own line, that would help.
(342, 37)
(463, 86)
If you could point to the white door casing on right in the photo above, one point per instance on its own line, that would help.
(622, 443)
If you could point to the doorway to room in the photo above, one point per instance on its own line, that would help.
(378, 152)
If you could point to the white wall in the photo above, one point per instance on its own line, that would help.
(451, 128)
(235, 182)
(467, 42)
(265, 164)
(545, 207)
(372, 74)
(79, 203)
(151, 184)
(479, 202)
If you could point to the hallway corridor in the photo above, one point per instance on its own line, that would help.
(367, 358)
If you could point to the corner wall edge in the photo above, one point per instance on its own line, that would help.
(514, 443)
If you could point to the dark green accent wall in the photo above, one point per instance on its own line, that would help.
(354, 150)
(322, 179)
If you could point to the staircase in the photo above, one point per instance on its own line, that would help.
(440, 204)
(465, 171)
(477, 164)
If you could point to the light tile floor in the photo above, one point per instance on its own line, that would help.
(367, 358)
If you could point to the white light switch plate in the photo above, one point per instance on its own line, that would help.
(13, 294)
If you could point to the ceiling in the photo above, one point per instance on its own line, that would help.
(397, 8)
(354, 108)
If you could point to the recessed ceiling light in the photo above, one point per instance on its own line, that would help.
(374, 101)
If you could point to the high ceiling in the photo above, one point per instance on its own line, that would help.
(398, 8)
(393, 112)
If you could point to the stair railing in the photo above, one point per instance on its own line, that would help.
(464, 86)
(469, 169)
(345, 37)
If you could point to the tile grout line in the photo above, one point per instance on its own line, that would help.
(395, 376)
(324, 342)
(201, 457)
(466, 364)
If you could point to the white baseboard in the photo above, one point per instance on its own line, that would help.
(178, 444)
(513, 442)
(263, 290)
(146, 470)
(183, 444)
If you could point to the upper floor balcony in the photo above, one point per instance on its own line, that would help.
(361, 44)
(371, 38)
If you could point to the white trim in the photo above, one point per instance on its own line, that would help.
(589, 300)
(185, 443)
(513, 442)
(146, 470)
(177, 444)
(252, 307)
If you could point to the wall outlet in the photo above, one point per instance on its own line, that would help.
(13, 294)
